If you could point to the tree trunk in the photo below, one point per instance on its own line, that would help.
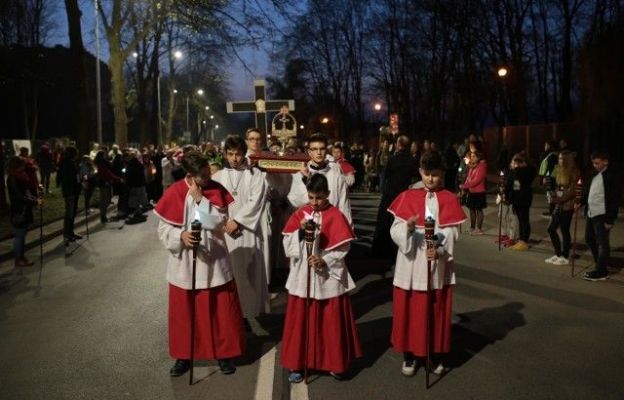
(81, 99)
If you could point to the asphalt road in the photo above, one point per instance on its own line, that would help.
(93, 326)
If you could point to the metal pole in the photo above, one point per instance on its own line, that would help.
(187, 114)
(98, 78)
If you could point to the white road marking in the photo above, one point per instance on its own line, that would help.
(266, 376)
(298, 391)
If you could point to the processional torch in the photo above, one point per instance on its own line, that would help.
(309, 236)
(578, 192)
(85, 183)
(501, 194)
(196, 228)
(40, 201)
(430, 242)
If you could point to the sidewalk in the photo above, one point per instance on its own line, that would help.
(50, 231)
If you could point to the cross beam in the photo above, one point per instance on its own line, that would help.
(260, 106)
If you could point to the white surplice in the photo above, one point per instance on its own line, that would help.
(248, 187)
(333, 281)
(411, 262)
(338, 194)
(212, 265)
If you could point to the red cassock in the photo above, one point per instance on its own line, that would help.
(219, 329)
(409, 307)
(332, 335)
(345, 166)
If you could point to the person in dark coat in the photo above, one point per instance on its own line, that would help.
(451, 165)
(45, 160)
(105, 178)
(519, 193)
(68, 178)
(400, 171)
(22, 202)
(136, 182)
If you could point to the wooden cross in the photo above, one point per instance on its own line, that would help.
(259, 106)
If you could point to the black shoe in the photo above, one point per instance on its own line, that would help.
(596, 276)
(336, 376)
(227, 367)
(103, 220)
(69, 239)
(180, 368)
(76, 237)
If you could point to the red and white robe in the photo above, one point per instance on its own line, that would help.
(333, 341)
(219, 331)
(409, 307)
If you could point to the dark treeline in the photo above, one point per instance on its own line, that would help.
(435, 62)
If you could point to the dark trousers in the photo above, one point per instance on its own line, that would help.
(105, 197)
(71, 207)
(19, 242)
(523, 222)
(45, 178)
(597, 239)
(561, 220)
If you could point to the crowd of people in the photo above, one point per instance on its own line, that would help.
(254, 224)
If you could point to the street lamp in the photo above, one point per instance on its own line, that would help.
(200, 92)
(301, 127)
(377, 106)
(502, 72)
(212, 117)
(324, 120)
(207, 108)
(135, 54)
(177, 54)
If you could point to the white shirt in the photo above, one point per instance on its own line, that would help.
(596, 197)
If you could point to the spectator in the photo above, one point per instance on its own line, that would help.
(601, 200)
(566, 175)
(105, 178)
(88, 178)
(45, 160)
(167, 164)
(520, 195)
(22, 202)
(135, 180)
(94, 151)
(69, 179)
(546, 169)
(475, 186)
(451, 165)
(30, 169)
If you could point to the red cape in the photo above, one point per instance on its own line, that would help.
(412, 202)
(170, 207)
(345, 167)
(335, 228)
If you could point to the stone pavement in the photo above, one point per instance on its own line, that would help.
(93, 325)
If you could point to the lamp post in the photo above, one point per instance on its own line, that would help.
(98, 78)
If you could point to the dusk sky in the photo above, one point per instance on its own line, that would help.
(240, 80)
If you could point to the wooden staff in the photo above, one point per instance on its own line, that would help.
(85, 183)
(309, 235)
(196, 227)
(578, 191)
(429, 240)
(40, 198)
(501, 193)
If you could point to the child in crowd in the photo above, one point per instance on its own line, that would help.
(519, 193)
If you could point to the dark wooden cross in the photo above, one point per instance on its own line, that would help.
(260, 106)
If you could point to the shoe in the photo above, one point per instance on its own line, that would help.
(336, 376)
(439, 370)
(596, 276)
(520, 246)
(477, 232)
(295, 377)
(408, 368)
(180, 368)
(551, 260)
(227, 367)
(509, 243)
(561, 261)
(103, 220)
(23, 262)
(76, 237)
(503, 239)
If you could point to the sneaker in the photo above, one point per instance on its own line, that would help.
(23, 262)
(295, 377)
(227, 367)
(439, 370)
(179, 368)
(76, 237)
(596, 276)
(551, 260)
(408, 368)
(561, 261)
(477, 232)
(520, 246)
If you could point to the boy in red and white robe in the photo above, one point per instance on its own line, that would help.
(332, 337)
(409, 307)
(348, 171)
(219, 332)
